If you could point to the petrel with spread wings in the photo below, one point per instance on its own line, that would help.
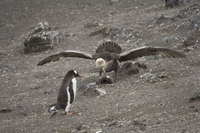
(108, 54)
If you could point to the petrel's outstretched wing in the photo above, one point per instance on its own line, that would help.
(68, 53)
(147, 51)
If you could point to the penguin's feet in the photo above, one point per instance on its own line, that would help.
(69, 113)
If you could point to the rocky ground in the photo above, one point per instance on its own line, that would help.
(165, 97)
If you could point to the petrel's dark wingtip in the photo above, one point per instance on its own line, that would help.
(41, 63)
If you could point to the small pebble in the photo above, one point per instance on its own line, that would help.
(5, 110)
(49, 91)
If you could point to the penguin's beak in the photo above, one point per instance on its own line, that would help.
(80, 76)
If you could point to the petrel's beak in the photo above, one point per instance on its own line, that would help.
(80, 76)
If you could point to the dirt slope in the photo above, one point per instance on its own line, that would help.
(155, 100)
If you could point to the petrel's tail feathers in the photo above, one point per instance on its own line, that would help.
(53, 113)
(53, 110)
(52, 107)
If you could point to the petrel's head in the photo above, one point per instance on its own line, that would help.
(100, 62)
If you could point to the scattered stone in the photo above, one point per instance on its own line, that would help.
(139, 65)
(128, 69)
(188, 12)
(105, 80)
(150, 78)
(195, 98)
(116, 33)
(163, 75)
(112, 123)
(35, 88)
(100, 131)
(171, 40)
(19, 106)
(192, 39)
(41, 38)
(161, 19)
(49, 91)
(101, 91)
(40, 75)
(91, 25)
(191, 14)
(195, 21)
(112, 1)
(192, 107)
(146, 75)
(5, 110)
(184, 89)
(184, 131)
(141, 126)
(23, 113)
(90, 85)
(81, 127)
(91, 90)
(164, 42)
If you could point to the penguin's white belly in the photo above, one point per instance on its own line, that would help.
(74, 84)
(69, 95)
(68, 103)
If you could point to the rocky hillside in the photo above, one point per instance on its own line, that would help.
(164, 97)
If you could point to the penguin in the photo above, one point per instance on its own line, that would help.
(67, 92)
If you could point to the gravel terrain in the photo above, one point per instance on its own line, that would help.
(164, 98)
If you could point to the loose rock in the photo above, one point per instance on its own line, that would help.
(91, 90)
(194, 98)
(105, 80)
(81, 127)
(116, 33)
(41, 38)
(130, 68)
(5, 110)
(192, 39)
(49, 91)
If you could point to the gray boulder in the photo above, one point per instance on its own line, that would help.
(40, 38)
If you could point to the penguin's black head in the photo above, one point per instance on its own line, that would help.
(74, 73)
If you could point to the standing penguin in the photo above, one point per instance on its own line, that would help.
(67, 92)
